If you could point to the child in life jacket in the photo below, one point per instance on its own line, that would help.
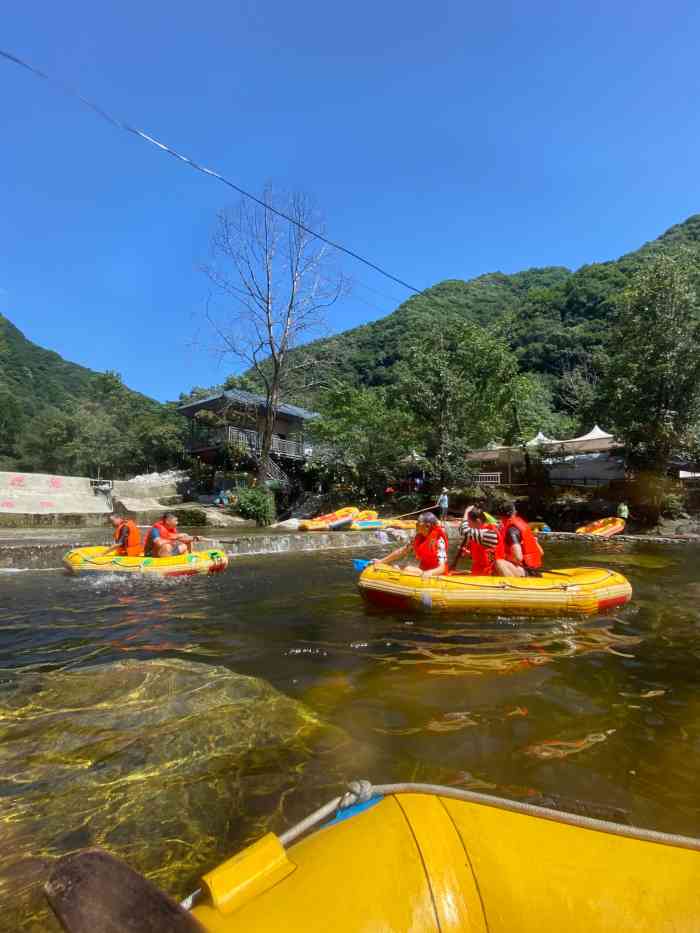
(480, 537)
(428, 548)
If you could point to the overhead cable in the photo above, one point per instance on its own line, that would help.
(201, 168)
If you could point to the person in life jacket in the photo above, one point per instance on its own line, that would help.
(127, 538)
(518, 553)
(481, 548)
(164, 540)
(428, 548)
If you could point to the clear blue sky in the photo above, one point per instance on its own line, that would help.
(442, 140)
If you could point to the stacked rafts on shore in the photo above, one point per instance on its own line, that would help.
(333, 521)
(603, 528)
(93, 560)
(574, 591)
(352, 519)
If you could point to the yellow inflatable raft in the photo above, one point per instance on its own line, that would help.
(603, 528)
(411, 857)
(332, 520)
(572, 591)
(91, 560)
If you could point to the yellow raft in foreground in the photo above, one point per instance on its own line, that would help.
(450, 861)
(91, 560)
(403, 857)
(569, 591)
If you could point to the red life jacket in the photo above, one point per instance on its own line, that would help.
(167, 534)
(133, 541)
(532, 552)
(425, 547)
(482, 557)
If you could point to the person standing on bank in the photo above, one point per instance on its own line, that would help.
(428, 547)
(443, 504)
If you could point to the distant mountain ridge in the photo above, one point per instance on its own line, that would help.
(38, 378)
(554, 318)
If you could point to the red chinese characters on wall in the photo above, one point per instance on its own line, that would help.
(17, 481)
(55, 482)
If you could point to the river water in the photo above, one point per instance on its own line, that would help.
(600, 715)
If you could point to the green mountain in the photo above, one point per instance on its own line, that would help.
(61, 417)
(554, 319)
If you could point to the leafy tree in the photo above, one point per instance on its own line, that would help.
(360, 438)
(455, 382)
(11, 417)
(653, 386)
(43, 444)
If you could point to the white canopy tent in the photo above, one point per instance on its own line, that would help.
(594, 449)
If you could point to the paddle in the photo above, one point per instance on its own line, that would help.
(359, 564)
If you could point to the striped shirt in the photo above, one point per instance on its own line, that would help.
(486, 536)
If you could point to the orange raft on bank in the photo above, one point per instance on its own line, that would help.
(603, 528)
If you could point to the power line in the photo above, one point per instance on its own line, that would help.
(119, 124)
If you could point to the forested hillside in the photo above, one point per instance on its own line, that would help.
(554, 320)
(57, 416)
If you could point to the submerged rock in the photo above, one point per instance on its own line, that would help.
(168, 764)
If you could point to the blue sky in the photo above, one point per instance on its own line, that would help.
(441, 140)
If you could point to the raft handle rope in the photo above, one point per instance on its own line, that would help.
(362, 791)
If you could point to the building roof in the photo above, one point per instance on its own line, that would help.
(247, 399)
(596, 441)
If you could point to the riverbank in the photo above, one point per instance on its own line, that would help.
(29, 550)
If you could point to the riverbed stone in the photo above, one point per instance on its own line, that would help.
(168, 764)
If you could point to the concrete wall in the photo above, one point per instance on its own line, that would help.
(41, 494)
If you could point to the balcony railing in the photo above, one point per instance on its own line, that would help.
(252, 440)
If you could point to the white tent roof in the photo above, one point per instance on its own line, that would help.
(595, 434)
(540, 438)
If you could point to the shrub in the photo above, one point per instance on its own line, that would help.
(258, 504)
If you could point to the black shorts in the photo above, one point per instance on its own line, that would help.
(532, 571)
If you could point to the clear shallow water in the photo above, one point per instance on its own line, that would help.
(601, 714)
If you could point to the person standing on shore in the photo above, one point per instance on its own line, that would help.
(443, 504)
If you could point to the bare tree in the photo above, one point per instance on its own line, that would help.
(275, 278)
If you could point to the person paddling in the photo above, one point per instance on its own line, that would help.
(127, 538)
(518, 552)
(164, 540)
(428, 547)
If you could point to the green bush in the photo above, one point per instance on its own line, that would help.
(258, 504)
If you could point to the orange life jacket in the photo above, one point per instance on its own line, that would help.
(482, 557)
(167, 534)
(133, 540)
(425, 547)
(532, 552)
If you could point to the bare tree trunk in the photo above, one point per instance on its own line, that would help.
(272, 275)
